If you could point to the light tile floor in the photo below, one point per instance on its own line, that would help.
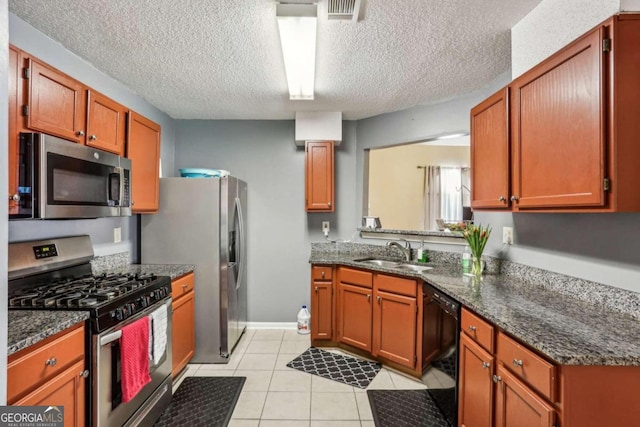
(274, 395)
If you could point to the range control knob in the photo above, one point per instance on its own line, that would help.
(119, 313)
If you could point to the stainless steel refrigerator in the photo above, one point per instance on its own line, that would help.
(201, 221)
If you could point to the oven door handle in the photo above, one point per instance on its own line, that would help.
(109, 338)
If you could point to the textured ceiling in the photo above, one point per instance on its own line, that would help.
(221, 59)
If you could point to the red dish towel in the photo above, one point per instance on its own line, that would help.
(134, 358)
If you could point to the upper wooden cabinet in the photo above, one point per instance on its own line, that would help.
(573, 127)
(490, 152)
(14, 140)
(143, 149)
(56, 103)
(106, 123)
(319, 176)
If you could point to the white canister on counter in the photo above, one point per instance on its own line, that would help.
(304, 321)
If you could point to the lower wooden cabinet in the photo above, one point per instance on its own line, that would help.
(51, 373)
(66, 390)
(183, 334)
(518, 405)
(322, 302)
(354, 316)
(475, 385)
(394, 327)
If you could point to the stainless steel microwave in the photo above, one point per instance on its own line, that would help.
(59, 179)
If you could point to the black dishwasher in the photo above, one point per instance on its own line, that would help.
(441, 329)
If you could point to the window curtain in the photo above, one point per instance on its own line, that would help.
(443, 196)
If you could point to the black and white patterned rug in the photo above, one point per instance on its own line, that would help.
(345, 369)
(405, 408)
(202, 402)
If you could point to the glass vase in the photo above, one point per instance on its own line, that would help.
(477, 266)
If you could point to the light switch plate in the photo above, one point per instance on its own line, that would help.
(325, 227)
(507, 235)
(117, 235)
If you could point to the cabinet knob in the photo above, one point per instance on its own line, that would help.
(329, 204)
(514, 199)
(80, 133)
(368, 297)
(497, 378)
(84, 374)
(485, 365)
(517, 362)
(132, 203)
(15, 197)
(378, 299)
(502, 199)
(51, 362)
(472, 328)
(184, 287)
(322, 274)
(93, 138)
(316, 289)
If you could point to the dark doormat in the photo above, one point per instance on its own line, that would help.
(344, 369)
(202, 401)
(405, 408)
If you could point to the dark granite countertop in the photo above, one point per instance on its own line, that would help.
(565, 329)
(172, 270)
(28, 327)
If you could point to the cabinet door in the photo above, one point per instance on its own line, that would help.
(490, 152)
(65, 390)
(143, 149)
(14, 131)
(321, 310)
(355, 316)
(475, 386)
(518, 406)
(106, 121)
(319, 176)
(394, 328)
(57, 103)
(183, 333)
(559, 145)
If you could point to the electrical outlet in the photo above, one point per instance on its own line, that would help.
(117, 235)
(507, 235)
(325, 227)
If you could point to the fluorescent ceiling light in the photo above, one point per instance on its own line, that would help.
(297, 24)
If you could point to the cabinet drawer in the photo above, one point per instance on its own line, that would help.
(528, 366)
(182, 285)
(356, 277)
(321, 272)
(478, 329)
(396, 285)
(34, 367)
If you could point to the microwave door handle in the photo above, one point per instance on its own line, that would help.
(115, 183)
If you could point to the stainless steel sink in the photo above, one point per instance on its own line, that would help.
(394, 264)
(379, 262)
(413, 267)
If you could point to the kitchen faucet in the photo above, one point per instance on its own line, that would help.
(406, 250)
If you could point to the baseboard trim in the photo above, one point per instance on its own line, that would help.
(272, 325)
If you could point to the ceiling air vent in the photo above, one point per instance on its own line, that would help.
(343, 9)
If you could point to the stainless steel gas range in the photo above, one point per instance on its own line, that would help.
(55, 274)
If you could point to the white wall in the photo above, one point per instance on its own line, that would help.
(4, 150)
(263, 154)
(552, 25)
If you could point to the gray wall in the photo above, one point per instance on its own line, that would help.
(279, 230)
(4, 150)
(26, 37)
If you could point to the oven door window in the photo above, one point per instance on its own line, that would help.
(72, 181)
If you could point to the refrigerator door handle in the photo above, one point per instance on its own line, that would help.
(241, 260)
